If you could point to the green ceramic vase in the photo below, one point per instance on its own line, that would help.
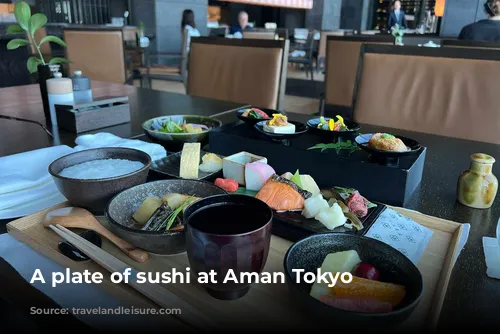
(477, 186)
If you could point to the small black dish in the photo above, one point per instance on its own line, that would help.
(300, 129)
(252, 121)
(353, 129)
(413, 147)
(74, 253)
(309, 253)
(170, 166)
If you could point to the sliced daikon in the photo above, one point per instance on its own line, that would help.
(309, 184)
(332, 217)
(313, 205)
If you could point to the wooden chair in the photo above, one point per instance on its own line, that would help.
(260, 34)
(248, 71)
(449, 92)
(155, 70)
(341, 66)
(322, 46)
(99, 54)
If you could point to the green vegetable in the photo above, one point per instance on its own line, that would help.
(387, 136)
(176, 212)
(254, 114)
(172, 127)
(296, 179)
(345, 145)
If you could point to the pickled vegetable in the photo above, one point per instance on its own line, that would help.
(146, 210)
(365, 288)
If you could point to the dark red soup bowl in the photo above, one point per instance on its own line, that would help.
(228, 234)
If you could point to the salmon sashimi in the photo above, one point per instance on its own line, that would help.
(365, 288)
(356, 304)
(282, 195)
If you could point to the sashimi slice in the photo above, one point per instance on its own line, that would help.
(357, 304)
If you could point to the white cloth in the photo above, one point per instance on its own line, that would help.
(104, 139)
(25, 183)
(491, 247)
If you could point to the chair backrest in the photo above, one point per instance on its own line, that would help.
(248, 71)
(451, 92)
(342, 55)
(99, 54)
(455, 43)
(259, 34)
(323, 38)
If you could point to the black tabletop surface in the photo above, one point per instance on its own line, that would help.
(471, 294)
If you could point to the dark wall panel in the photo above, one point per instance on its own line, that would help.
(459, 13)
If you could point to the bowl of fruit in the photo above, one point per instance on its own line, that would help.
(372, 284)
(173, 131)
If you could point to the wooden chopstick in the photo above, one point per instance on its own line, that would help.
(158, 294)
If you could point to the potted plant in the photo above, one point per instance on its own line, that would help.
(398, 34)
(30, 24)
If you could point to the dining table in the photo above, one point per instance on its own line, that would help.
(471, 295)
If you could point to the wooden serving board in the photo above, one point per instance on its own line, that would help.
(266, 306)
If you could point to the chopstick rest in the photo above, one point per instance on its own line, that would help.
(157, 294)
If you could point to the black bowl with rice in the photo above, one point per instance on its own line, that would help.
(90, 178)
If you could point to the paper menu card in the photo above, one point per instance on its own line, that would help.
(402, 233)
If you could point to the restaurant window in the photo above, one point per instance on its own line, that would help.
(76, 11)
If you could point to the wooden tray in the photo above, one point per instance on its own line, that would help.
(266, 306)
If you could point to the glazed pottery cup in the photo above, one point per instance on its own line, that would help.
(224, 233)
(477, 187)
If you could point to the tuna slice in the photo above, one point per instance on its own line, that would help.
(357, 204)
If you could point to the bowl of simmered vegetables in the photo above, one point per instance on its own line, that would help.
(173, 131)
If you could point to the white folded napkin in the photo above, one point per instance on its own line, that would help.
(491, 247)
(104, 139)
(25, 183)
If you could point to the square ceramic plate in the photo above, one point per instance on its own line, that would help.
(171, 164)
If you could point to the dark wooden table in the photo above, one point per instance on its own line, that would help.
(471, 297)
(25, 102)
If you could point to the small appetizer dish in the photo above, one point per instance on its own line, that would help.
(280, 128)
(252, 116)
(173, 131)
(387, 145)
(191, 163)
(381, 286)
(330, 127)
(150, 216)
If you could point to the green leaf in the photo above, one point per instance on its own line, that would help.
(33, 64)
(22, 12)
(36, 22)
(59, 60)
(14, 29)
(296, 179)
(17, 42)
(53, 39)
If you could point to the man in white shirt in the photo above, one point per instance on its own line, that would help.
(397, 16)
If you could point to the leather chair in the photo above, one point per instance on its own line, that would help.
(322, 44)
(342, 55)
(450, 92)
(248, 71)
(99, 54)
(455, 43)
(259, 34)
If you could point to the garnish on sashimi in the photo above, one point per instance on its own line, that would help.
(255, 113)
(282, 195)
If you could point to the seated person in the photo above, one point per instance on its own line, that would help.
(484, 30)
(242, 24)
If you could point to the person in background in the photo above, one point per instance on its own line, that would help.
(188, 26)
(397, 16)
(242, 24)
(484, 30)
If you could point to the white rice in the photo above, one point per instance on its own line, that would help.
(101, 169)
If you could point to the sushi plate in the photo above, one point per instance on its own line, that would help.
(293, 226)
(170, 166)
